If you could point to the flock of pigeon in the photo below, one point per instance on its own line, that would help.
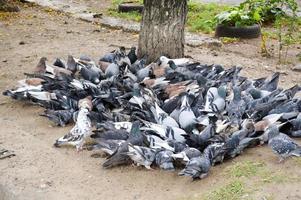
(172, 113)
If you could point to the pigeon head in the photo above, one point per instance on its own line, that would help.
(185, 103)
(71, 64)
(272, 131)
(222, 91)
(41, 66)
(172, 64)
(218, 68)
(86, 103)
(201, 80)
(163, 60)
(133, 49)
(164, 160)
(135, 130)
(256, 94)
(122, 51)
(43, 59)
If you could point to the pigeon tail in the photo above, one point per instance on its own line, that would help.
(297, 152)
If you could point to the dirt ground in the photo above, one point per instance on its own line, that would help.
(40, 171)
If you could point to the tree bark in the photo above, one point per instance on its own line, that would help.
(6, 6)
(162, 29)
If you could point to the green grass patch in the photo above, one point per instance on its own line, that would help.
(199, 18)
(245, 169)
(134, 16)
(248, 169)
(113, 11)
(228, 40)
(232, 191)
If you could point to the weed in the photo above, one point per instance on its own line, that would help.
(228, 40)
(232, 191)
(245, 169)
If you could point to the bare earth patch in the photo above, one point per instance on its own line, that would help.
(40, 171)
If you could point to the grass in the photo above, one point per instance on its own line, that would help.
(232, 191)
(6, 16)
(248, 169)
(228, 40)
(245, 179)
(245, 169)
(200, 16)
(199, 19)
(134, 16)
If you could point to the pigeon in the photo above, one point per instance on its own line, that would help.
(144, 73)
(215, 100)
(42, 67)
(118, 155)
(60, 63)
(90, 75)
(163, 118)
(166, 132)
(164, 160)
(71, 64)
(236, 108)
(59, 117)
(141, 155)
(132, 55)
(198, 167)
(82, 129)
(163, 60)
(187, 119)
(187, 154)
(170, 113)
(112, 70)
(282, 145)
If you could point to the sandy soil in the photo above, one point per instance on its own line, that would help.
(40, 171)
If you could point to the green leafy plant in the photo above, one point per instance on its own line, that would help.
(288, 27)
(238, 17)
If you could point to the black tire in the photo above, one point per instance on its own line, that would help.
(130, 7)
(253, 31)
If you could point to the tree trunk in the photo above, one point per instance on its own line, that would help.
(6, 6)
(162, 29)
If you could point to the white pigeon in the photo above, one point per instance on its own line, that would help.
(82, 129)
(163, 118)
(179, 61)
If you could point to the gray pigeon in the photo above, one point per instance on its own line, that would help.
(112, 70)
(187, 119)
(236, 108)
(187, 154)
(198, 167)
(141, 155)
(164, 160)
(281, 144)
(119, 156)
